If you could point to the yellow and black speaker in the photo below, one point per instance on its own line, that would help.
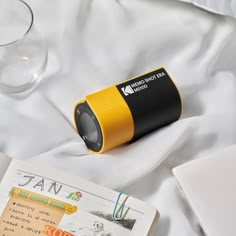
(127, 111)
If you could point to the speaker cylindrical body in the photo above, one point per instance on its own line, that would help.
(127, 111)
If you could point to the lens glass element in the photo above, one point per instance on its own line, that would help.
(89, 128)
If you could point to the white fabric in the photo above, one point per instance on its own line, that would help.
(4, 163)
(94, 44)
(225, 7)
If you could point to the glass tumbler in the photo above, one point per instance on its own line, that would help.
(23, 53)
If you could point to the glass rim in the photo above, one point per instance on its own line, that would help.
(28, 28)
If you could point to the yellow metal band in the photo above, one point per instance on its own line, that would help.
(114, 117)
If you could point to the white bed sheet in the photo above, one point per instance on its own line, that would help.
(224, 7)
(94, 44)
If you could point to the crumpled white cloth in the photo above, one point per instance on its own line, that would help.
(225, 7)
(95, 44)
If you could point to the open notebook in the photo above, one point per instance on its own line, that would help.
(39, 201)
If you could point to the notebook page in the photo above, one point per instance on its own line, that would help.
(40, 201)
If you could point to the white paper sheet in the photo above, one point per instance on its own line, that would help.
(208, 185)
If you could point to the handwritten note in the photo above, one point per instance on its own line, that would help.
(27, 213)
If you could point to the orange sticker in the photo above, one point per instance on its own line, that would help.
(52, 231)
(69, 209)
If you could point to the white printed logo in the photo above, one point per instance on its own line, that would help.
(127, 90)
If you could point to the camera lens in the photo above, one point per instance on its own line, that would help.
(88, 127)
